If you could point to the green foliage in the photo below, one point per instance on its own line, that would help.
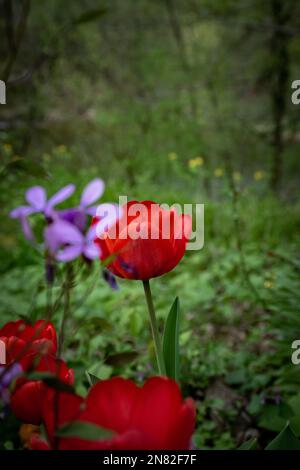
(249, 445)
(286, 440)
(171, 341)
(82, 430)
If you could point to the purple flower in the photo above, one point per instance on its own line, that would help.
(37, 203)
(77, 215)
(6, 378)
(65, 242)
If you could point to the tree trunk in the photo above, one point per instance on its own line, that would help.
(279, 84)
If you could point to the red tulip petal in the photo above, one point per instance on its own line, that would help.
(109, 403)
(135, 440)
(59, 408)
(42, 346)
(180, 436)
(156, 408)
(28, 397)
(13, 328)
(40, 330)
(146, 258)
(45, 330)
(48, 363)
(36, 443)
(26, 402)
(15, 348)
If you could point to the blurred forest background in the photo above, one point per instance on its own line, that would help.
(176, 101)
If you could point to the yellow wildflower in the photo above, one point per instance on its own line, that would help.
(268, 284)
(195, 162)
(258, 175)
(61, 148)
(7, 147)
(199, 161)
(218, 172)
(172, 156)
(192, 164)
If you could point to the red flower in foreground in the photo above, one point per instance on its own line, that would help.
(150, 417)
(34, 348)
(146, 242)
(22, 338)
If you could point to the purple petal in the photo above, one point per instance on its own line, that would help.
(21, 211)
(69, 253)
(26, 228)
(91, 251)
(36, 197)
(52, 242)
(92, 192)
(75, 216)
(60, 196)
(91, 233)
(61, 233)
(108, 215)
(10, 375)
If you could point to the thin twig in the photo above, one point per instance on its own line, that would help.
(21, 29)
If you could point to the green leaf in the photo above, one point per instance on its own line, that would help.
(171, 341)
(294, 403)
(98, 372)
(274, 417)
(92, 379)
(286, 440)
(84, 430)
(249, 445)
(236, 377)
(89, 16)
(120, 359)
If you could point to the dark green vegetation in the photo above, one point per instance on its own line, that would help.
(176, 101)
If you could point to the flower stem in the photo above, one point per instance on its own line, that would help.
(66, 290)
(154, 328)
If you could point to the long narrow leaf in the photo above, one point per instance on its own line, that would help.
(84, 430)
(286, 440)
(171, 341)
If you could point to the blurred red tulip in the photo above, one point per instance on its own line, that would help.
(146, 242)
(27, 398)
(33, 347)
(22, 338)
(150, 417)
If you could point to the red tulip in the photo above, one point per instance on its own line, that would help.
(27, 398)
(151, 417)
(33, 347)
(146, 242)
(21, 338)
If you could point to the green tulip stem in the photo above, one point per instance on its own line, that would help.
(154, 328)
